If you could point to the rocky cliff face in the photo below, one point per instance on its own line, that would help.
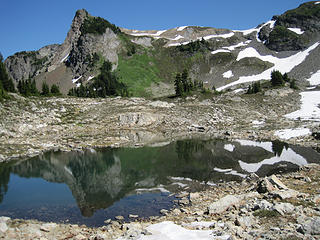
(220, 58)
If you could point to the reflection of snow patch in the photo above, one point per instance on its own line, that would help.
(287, 156)
(230, 172)
(159, 188)
(229, 147)
(265, 145)
(181, 179)
(291, 133)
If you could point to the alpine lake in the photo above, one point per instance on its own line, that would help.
(90, 186)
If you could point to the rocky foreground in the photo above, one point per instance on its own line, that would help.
(30, 126)
(283, 206)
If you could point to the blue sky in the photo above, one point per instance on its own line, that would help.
(32, 24)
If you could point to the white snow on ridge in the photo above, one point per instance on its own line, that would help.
(309, 110)
(177, 38)
(314, 79)
(219, 51)
(226, 35)
(157, 34)
(291, 133)
(282, 64)
(316, 2)
(177, 44)
(296, 30)
(228, 74)
(233, 47)
(179, 29)
(247, 32)
(65, 58)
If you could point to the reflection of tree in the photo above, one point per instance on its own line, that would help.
(4, 180)
(277, 147)
(185, 149)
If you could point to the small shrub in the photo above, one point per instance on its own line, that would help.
(266, 213)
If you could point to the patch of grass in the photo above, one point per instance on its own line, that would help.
(266, 213)
(138, 72)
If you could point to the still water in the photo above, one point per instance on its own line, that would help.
(91, 186)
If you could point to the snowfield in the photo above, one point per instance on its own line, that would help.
(157, 34)
(314, 79)
(226, 35)
(169, 230)
(282, 64)
(309, 110)
(286, 134)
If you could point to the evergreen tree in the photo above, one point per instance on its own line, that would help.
(293, 84)
(45, 89)
(178, 85)
(256, 87)
(277, 78)
(286, 78)
(7, 83)
(55, 90)
(1, 91)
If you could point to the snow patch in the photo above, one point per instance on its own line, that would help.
(296, 30)
(181, 28)
(226, 35)
(140, 34)
(309, 110)
(181, 179)
(228, 74)
(219, 51)
(65, 58)
(292, 133)
(239, 90)
(316, 2)
(242, 44)
(76, 79)
(229, 147)
(282, 64)
(169, 230)
(178, 44)
(256, 122)
(230, 172)
(177, 38)
(90, 77)
(247, 32)
(314, 79)
(159, 188)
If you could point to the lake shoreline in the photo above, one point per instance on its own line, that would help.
(276, 207)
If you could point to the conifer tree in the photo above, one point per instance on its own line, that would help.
(276, 78)
(45, 89)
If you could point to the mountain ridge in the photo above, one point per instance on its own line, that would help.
(148, 59)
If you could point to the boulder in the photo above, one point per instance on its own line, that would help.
(309, 225)
(284, 208)
(223, 204)
(276, 182)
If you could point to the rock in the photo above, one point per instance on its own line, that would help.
(265, 186)
(164, 211)
(316, 199)
(184, 201)
(285, 194)
(223, 204)
(133, 216)
(182, 195)
(119, 218)
(101, 237)
(137, 119)
(176, 211)
(284, 208)
(309, 225)
(194, 196)
(47, 227)
(161, 104)
(276, 182)
(245, 222)
(263, 205)
(80, 237)
(3, 227)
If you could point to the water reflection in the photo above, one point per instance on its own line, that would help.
(98, 179)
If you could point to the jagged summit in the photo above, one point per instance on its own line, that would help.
(146, 60)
